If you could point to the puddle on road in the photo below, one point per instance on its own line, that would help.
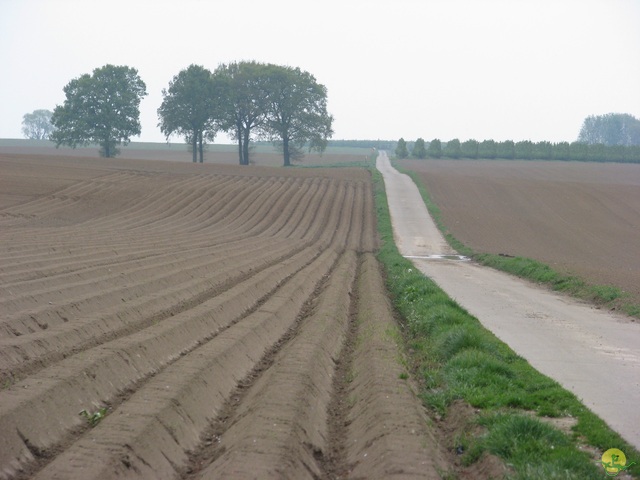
(457, 258)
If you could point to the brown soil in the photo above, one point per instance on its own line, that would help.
(208, 307)
(216, 154)
(582, 218)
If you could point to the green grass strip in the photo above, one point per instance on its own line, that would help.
(455, 357)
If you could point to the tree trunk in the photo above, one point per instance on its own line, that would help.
(245, 146)
(201, 141)
(285, 151)
(194, 146)
(240, 151)
(106, 147)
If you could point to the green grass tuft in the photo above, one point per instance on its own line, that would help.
(533, 448)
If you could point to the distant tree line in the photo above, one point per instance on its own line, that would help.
(377, 144)
(613, 137)
(522, 150)
(248, 100)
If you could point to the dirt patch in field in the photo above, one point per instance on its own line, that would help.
(581, 218)
(206, 307)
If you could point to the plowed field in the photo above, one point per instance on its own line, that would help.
(581, 218)
(232, 320)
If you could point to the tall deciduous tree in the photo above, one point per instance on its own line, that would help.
(610, 129)
(561, 151)
(452, 149)
(37, 125)
(578, 151)
(189, 108)
(543, 150)
(487, 149)
(435, 148)
(506, 149)
(244, 102)
(101, 108)
(469, 148)
(419, 149)
(524, 149)
(296, 110)
(401, 149)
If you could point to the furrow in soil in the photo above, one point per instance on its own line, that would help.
(278, 428)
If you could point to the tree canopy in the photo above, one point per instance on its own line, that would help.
(189, 108)
(435, 148)
(610, 129)
(283, 104)
(401, 149)
(242, 86)
(101, 108)
(296, 110)
(37, 125)
(469, 148)
(248, 100)
(452, 149)
(419, 149)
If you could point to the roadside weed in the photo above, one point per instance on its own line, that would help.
(94, 418)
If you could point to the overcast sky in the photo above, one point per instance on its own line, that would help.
(482, 69)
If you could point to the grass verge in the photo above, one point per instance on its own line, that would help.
(606, 296)
(454, 357)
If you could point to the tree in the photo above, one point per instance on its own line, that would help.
(597, 152)
(488, 149)
(524, 150)
(435, 148)
(244, 105)
(610, 129)
(506, 149)
(37, 125)
(543, 150)
(578, 151)
(469, 149)
(561, 151)
(296, 110)
(101, 108)
(401, 149)
(419, 150)
(452, 149)
(189, 108)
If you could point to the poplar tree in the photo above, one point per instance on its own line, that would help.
(401, 149)
(419, 149)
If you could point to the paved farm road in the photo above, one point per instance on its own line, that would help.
(592, 353)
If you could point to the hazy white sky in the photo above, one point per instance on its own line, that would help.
(500, 69)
